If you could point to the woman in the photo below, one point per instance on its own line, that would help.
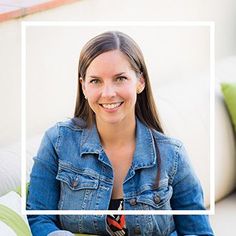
(113, 155)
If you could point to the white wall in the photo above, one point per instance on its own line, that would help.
(10, 82)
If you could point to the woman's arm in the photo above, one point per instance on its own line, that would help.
(44, 189)
(188, 195)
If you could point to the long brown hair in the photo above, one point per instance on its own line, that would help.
(145, 108)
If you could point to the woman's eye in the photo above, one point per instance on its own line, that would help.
(94, 81)
(121, 78)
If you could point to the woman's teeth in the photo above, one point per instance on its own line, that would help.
(111, 106)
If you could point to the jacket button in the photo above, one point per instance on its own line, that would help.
(137, 231)
(74, 184)
(156, 199)
(133, 201)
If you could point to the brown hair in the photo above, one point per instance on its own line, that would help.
(145, 108)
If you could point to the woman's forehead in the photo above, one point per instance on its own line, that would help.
(111, 62)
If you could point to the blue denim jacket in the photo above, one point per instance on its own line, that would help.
(72, 172)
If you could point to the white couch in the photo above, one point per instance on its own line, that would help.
(224, 219)
(185, 114)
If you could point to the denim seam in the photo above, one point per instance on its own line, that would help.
(58, 138)
(175, 165)
(79, 171)
(54, 157)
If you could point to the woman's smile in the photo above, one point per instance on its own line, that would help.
(111, 106)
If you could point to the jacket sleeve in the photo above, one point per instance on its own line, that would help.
(188, 195)
(44, 189)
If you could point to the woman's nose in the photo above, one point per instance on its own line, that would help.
(108, 91)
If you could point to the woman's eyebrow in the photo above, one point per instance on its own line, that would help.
(98, 77)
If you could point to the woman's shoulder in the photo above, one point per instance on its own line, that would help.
(172, 148)
(69, 124)
(164, 139)
(75, 123)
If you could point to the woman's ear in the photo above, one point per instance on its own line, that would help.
(140, 85)
(81, 80)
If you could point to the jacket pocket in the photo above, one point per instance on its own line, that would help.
(77, 181)
(152, 199)
(156, 199)
(78, 187)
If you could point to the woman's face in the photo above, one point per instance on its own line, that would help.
(111, 88)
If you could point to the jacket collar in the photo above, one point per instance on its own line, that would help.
(144, 155)
(90, 141)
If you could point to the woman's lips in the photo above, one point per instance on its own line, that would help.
(111, 106)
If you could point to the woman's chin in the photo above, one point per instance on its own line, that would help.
(110, 120)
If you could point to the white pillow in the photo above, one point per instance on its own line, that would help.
(10, 170)
(10, 159)
(12, 222)
(184, 112)
(32, 146)
(6, 230)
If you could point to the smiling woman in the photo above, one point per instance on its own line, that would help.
(114, 155)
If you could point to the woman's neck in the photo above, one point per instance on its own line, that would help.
(116, 135)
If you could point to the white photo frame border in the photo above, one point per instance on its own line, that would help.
(210, 24)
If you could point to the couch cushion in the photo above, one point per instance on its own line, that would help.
(223, 222)
(225, 153)
(12, 222)
(184, 112)
(229, 91)
(10, 170)
(10, 159)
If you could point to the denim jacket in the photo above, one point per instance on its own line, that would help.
(72, 172)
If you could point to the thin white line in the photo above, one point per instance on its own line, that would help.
(118, 212)
(212, 117)
(118, 23)
(25, 24)
(23, 117)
